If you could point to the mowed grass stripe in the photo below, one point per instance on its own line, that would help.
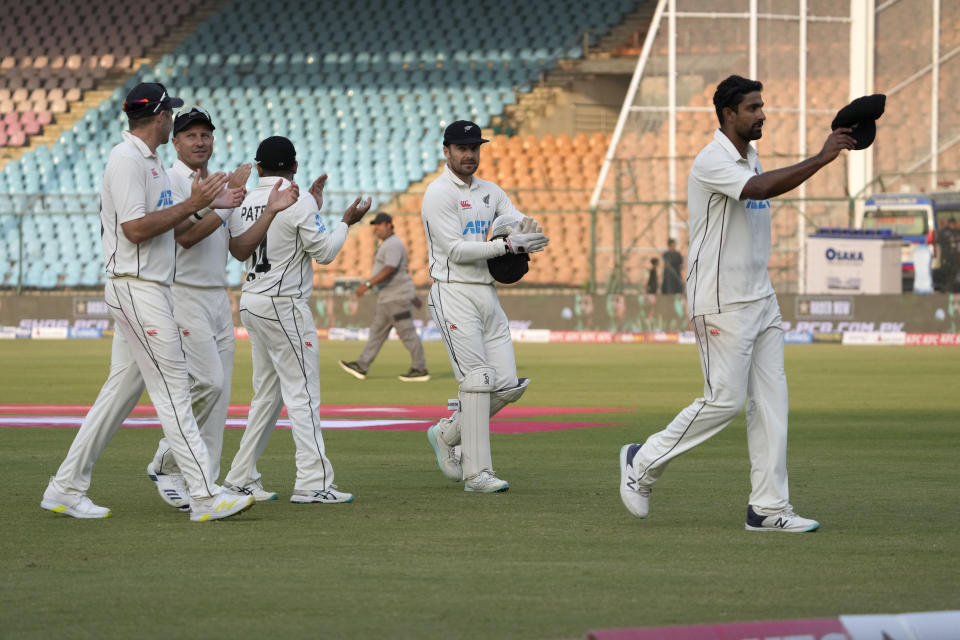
(873, 433)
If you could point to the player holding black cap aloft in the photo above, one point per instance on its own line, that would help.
(460, 212)
(734, 312)
(275, 309)
(396, 298)
(138, 216)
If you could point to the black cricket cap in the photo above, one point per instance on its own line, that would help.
(510, 267)
(149, 98)
(462, 132)
(861, 116)
(276, 153)
(382, 217)
(188, 117)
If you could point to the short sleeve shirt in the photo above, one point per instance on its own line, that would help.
(135, 185)
(399, 286)
(281, 266)
(729, 237)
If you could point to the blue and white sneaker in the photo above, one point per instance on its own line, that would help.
(635, 496)
(254, 489)
(172, 488)
(785, 520)
(331, 495)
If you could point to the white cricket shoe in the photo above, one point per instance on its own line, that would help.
(172, 488)
(254, 489)
(77, 505)
(785, 520)
(635, 496)
(447, 457)
(321, 496)
(486, 482)
(222, 505)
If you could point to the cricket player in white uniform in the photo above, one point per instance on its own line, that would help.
(458, 213)
(138, 216)
(201, 306)
(274, 307)
(734, 312)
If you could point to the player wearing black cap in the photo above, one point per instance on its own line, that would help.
(396, 298)
(468, 222)
(138, 215)
(274, 308)
(201, 305)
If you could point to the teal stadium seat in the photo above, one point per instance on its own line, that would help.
(371, 119)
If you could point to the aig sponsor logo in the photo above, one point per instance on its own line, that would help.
(479, 227)
(166, 199)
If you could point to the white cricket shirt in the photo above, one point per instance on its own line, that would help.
(282, 265)
(134, 185)
(729, 237)
(205, 263)
(457, 219)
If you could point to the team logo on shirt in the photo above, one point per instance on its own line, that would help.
(309, 344)
(319, 223)
(758, 204)
(476, 227)
(714, 332)
(452, 327)
(186, 332)
(166, 199)
(486, 199)
(465, 204)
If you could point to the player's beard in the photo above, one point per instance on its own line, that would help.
(468, 170)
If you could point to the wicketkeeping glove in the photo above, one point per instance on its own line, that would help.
(526, 242)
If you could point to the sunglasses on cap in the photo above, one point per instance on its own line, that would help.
(194, 108)
(138, 104)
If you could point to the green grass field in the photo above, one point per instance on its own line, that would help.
(872, 456)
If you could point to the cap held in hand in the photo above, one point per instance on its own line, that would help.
(861, 116)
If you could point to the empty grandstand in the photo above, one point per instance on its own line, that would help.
(365, 89)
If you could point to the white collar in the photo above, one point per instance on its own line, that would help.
(721, 138)
(139, 144)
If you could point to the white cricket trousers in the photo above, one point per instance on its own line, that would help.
(741, 354)
(286, 371)
(146, 351)
(476, 333)
(206, 329)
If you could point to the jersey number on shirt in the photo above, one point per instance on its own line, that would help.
(261, 264)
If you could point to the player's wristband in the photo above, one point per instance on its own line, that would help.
(198, 215)
(367, 284)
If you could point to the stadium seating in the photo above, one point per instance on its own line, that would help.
(371, 120)
(45, 71)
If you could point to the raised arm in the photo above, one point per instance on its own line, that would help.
(770, 184)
